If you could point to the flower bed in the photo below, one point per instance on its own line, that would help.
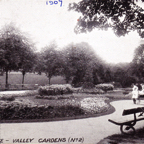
(23, 109)
(94, 105)
(105, 87)
(27, 110)
(55, 89)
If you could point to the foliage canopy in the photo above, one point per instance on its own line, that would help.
(122, 16)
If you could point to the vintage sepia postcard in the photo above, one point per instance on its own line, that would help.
(71, 71)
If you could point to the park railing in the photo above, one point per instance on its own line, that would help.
(18, 87)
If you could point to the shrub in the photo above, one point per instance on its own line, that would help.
(55, 89)
(88, 85)
(105, 87)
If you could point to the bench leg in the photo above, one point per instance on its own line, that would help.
(127, 129)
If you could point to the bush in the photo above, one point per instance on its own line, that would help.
(88, 85)
(55, 89)
(105, 87)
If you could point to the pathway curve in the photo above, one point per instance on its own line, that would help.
(91, 129)
(13, 92)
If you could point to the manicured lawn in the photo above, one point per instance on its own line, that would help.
(31, 78)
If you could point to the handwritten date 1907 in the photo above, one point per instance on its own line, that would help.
(54, 2)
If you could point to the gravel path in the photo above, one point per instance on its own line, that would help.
(13, 92)
(91, 130)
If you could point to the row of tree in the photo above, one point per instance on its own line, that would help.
(77, 63)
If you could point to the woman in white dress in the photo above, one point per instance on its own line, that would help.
(135, 94)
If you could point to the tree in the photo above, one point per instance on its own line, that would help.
(120, 76)
(108, 75)
(38, 66)
(51, 63)
(28, 60)
(95, 76)
(122, 16)
(13, 47)
(137, 66)
(79, 60)
(67, 68)
(101, 73)
(9, 46)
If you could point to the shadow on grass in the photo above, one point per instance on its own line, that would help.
(138, 138)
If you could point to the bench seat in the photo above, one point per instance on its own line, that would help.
(131, 117)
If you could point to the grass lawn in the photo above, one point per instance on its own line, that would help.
(30, 78)
(31, 81)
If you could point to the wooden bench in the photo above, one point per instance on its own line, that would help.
(127, 127)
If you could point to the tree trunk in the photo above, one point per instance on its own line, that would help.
(67, 79)
(23, 73)
(49, 80)
(6, 86)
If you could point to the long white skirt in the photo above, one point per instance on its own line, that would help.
(135, 94)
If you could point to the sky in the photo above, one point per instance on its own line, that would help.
(45, 23)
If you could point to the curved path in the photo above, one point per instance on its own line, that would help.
(91, 129)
